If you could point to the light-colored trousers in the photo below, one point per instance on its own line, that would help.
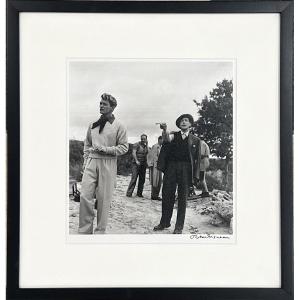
(156, 181)
(99, 179)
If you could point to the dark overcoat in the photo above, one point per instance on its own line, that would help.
(194, 146)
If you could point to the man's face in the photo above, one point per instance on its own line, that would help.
(160, 141)
(105, 107)
(185, 124)
(143, 139)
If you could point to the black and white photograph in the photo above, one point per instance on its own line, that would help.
(151, 146)
(151, 136)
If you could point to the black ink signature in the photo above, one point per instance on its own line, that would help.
(197, 236)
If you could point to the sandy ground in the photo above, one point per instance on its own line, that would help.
(140, 215)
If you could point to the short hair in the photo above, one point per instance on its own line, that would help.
(144, 135)
(160, 137)
(112, 100)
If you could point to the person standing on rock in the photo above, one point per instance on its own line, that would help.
(139, 166)
(180, 162)
(105, 140)
(155, 174)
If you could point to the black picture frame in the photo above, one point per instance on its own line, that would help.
(286, 11)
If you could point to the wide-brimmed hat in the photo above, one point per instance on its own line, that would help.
(184, 116)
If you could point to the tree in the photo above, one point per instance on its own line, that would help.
(215, 121)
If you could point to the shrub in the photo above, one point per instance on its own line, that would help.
(214, 180)
(75, 171)
(215, 175)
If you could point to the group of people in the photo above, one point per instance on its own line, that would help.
(180, 156)
(143, 157)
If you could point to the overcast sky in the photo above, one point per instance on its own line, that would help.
(147, 92)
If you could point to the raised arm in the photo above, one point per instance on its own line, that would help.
(166, 135)
(134, 154)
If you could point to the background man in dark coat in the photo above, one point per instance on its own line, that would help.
(180, 162)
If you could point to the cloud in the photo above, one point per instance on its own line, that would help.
(147, 91)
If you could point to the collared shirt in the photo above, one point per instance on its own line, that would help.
(170, 136)
(185, 134)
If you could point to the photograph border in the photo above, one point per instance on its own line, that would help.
(136, 238)
(286, 11)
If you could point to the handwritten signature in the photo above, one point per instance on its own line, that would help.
(196, 236)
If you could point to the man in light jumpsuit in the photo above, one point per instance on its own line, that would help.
(105, 140)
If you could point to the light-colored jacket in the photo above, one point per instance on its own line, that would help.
(204, 162)
(152, 159)
(152, 156)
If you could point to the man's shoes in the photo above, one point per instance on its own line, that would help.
(128, 195)
(160, 227)
(204, 195)
(156, 198)
(177, 231)
(140, 195)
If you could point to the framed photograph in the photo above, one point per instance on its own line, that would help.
(150, 149)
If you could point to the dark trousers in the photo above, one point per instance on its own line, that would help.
(137, 172)
(155, 191)
(177, 174)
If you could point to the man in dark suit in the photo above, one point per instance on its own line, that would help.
(180, 162)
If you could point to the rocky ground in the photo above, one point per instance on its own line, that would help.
(139, 215)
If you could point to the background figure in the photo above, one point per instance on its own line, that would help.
(155, 174)
(105, 140)
(204, 164)
(139, 166)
